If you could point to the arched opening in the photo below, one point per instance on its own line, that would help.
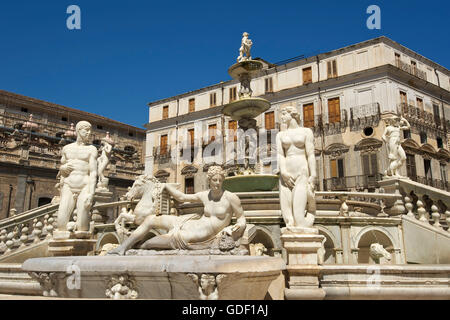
(330, 256)
(370, 237)
(264, 238)
(43, 201)
(107, 238)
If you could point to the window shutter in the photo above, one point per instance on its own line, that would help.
(374, 164)
(333, 166)
(365, 164)
(341, 168)
(308, 115)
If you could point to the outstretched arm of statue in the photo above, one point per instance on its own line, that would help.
(406, 125)
(180, 196)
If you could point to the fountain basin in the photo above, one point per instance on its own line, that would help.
(251, 183)
(160, 276)
(248, 67)
(246, 108)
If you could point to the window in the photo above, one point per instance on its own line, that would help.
(64, 118)
(233, 95)
(406, 134)
(212, 128)
(370, 164)
(440, 142)
(419, 103)
(189, 186)
(307, 75)
(24, 110)
(397, 60)
(269, 120)
(403, 98)
(411, 166)
(163, 145)
(334, 110)
(331, 69)
(269, 85)
(191, 105)
(100, 127)
(413, 67)
(191, 136)
(308, 115)
(232, 128)
(423, 137)
(43, 201)
(212, 99)
(427, 166)
(165, 112)
(337, 168)
(130, 134)
(436, 110)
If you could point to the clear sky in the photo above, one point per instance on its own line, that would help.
(129, 53)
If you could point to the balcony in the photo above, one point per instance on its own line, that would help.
(364, 116)
(421, 118)
(411, 69)
(435, 183)
(358, 183)
(321, 122)
(161, 155)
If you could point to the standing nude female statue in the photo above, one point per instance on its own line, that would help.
(297, 164)
(193, 231)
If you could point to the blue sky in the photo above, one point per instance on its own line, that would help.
(129, 53)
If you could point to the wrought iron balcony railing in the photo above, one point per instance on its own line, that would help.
(363, 116)
(360, 182)
(411, 69)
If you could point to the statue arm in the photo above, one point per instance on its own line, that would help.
(239, 228)
(66, 168)
(180, 196)
(384, 137)
(310, 153)
(287, 179)
(93, 171)
(406, 125)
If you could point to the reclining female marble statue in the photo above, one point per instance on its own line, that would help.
(193, 231)
(297, 164)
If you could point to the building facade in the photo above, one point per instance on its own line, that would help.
(32, 133)
(343, 95)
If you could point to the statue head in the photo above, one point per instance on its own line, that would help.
(83, 129)
(288, 113)
(207, 283)
(245, 34)
(216, 175)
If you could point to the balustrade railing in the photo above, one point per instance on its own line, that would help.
(411, 69)
(359, 182)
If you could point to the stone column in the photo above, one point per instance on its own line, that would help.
(302, 245)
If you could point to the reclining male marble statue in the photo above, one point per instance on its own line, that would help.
(212, 229)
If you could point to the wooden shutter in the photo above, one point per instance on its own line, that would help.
(403, 98)
(411, 166)
(373, 164)
(334, 110)
(232, 94)
(191, 105)
(365, 164)
(269, 85)
(419, 103)
(308, 115)
(191, 134)
(163, 145)
(189, 186)
(307, 75)
(269, 120)
(165, 114)
(212, 99)
(331, 69)
(232, 127)
(212, 132)
(333, 166)
(340, 164)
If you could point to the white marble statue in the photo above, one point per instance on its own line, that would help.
(103, 160)
(244, 50)
(78, 179)
(193, 231)
(379, 254)
(297, 165)
(392, 138)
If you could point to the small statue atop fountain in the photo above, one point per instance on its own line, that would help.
(297, 163)
(103, 161)
(391, 137)
(245, 48)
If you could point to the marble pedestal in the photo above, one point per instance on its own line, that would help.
(101, 196)
(302, 246)
(65, 243)
(157, 277)
(392, 185)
